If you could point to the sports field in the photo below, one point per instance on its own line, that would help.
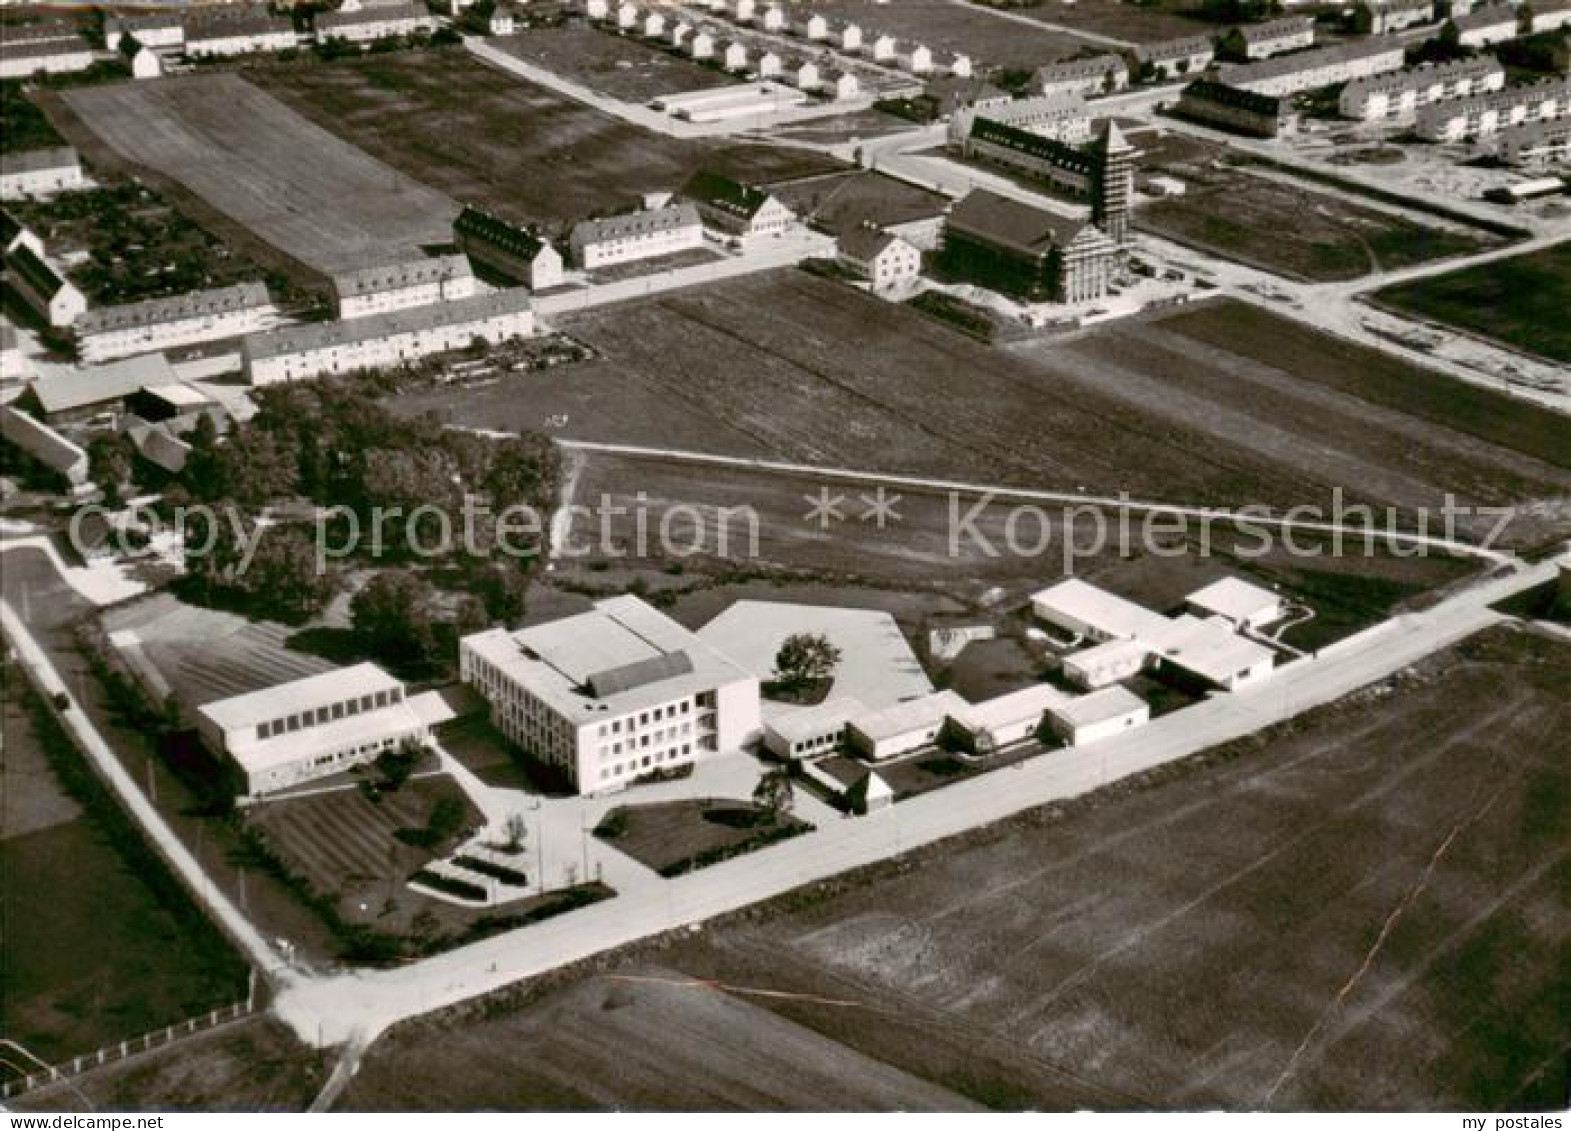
(311, 195)
(1383, 882)
(487, 138)
(795, 367)
(1521, 301)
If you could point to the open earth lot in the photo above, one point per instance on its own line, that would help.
(486, 138)
(620, 66)
(1234, 210)
(795, 367)
(309, 194)
(1383, 881)
(943, 25)
(1520, 302)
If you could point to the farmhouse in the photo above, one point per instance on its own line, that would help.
(145, 62)
(42, 443)
(1261, 41)
(736, 55)
(734, 209)
(611, 694)
(1099, 715)
(1494, 23)
(1063, 117)
(627, 15)
(1006, 719)
(45, 291)
(883, 48)
(903, 727)
(702, 44)
(1100, 74)
(1534, 143)
(375, 23)
(774, 18)
(882, 258)
(1238, 602)
(20, 60)
(1398, 95)
(399, 286)
(389, 339)
(1174, 58)
(158, 30)
(814, 27)
(40, 173)
(310, 728)
(801, 73)
(1485, 115)
(515, 253)
(163, 323)
(811, 731)
(654, 25)
(1381, 17)
(1309, 70)
(1242, 111)
(841, 85)
(1034, 255)
(955, 64)
(222, 32)
(76, 396)
(636, 235)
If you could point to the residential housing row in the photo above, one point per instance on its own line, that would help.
(1484, 115)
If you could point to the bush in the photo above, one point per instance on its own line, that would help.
(461, 889)
(496, 871)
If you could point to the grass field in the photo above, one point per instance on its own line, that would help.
(304, 191)
(793, 366)
(675, 837)
(623, 67)
(1519, 301)
(256, 1065)
(1177, 942)
(440, 117)
(990, 40)
(1136, 23)
(71, 864)
(1331, 237)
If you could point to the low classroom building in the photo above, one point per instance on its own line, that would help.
(1005, 719)
(612, 694)
(310, 728)
(810, 732)
(1098, 716)
(1239, 602)
(96, 393)
(109, 332)
(903, 727)
(388, 340)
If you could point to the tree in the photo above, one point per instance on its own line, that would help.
(773, 793)
(109, 464)
(445, 822)
(515, 831)
(394, 618)
(283, 574)
(397, 764)
(804, 658)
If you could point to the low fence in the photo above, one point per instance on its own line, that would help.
(109, 1054)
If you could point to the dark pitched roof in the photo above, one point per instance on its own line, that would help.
(10, 228)
(1175, 48)
(38, 275)
(1224, 95)
(724, 194)
(1050, 149)
(1011, 223)
(31, 160)
(511, 238)
(865, 242)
